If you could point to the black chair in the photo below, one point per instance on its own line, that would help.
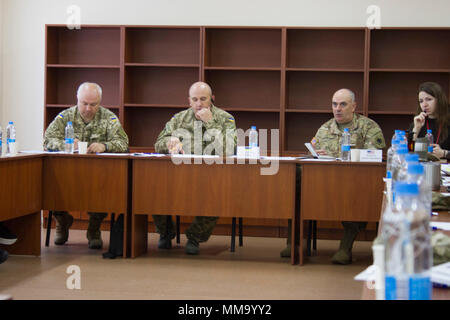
(312, 232)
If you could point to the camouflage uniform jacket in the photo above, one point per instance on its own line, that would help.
(364, 134)
(194, 135)
(104, 128)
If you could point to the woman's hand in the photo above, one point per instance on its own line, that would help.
(437, 151)
(419, 121)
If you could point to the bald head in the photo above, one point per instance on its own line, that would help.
(89, 96)
(89, 88)
(346, 93)
(344, 105)
(200, 97)
(200, 86)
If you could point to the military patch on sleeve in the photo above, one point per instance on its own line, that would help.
(231, 119)
(113, 119)
(60, 116)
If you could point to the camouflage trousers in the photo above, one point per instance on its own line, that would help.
(92, 215)
(200, 229)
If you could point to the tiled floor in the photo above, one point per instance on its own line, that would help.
(254, 271)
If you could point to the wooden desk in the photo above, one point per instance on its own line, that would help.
(20, 201)
(223, 190)
(95, 183)
(340, 191)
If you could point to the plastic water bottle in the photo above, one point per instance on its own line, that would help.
(390, 154)
(253, 137)
(401, 136)
(408, 253)
(345, 145)
(399, 166)
(69, 138)
(411, 158)
(429, 137)
(416, 174)
(396, 135)
(10, 138)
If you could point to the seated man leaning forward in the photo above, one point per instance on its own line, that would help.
(178, 137)
(103, 132)
(365, 134)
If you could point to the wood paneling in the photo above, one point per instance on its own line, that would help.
(20, 201)
(20, 186)
(91, 183)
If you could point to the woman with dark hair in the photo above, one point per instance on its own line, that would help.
(433, 113)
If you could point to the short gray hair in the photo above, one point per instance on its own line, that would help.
(350, 92)
(86, 85)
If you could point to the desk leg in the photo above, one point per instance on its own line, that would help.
(139, 235)
(301, 243)
(28, 232)
(296, 240)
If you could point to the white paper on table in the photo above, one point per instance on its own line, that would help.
(368, 273)
(440, 225)
(278, 158)
(445, 168)
(113, 154)
(440, 274)
(36, 151)
(318, 160)
(194, 156)
(140, 154)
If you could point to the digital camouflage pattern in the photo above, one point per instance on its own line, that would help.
(201, 228)
(364, 134)
(104, 128)
(185, 122)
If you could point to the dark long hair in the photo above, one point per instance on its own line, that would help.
(441, 111)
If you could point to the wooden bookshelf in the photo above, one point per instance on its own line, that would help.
(399, 60)
(272, 77)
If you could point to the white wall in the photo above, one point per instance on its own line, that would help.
(22, 37)
(1, 63)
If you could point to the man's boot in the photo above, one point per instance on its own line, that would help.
(286, 252)
(192, 247)
(344, 254)
(63, 222)
(93, 233)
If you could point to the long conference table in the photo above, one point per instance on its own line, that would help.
(138, 186)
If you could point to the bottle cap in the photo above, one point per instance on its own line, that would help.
(10, 122)
(430, 149)
(403, 188)
(397, 131)
(412, 157)
(69, 122)
(415, 168)
(428, 130)
(389, 175)
(345, 129)
(253, 127)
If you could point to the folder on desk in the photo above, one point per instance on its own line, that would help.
(314, 153)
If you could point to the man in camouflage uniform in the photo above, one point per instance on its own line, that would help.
(178, 137)
(103, 132)
(364, 134)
